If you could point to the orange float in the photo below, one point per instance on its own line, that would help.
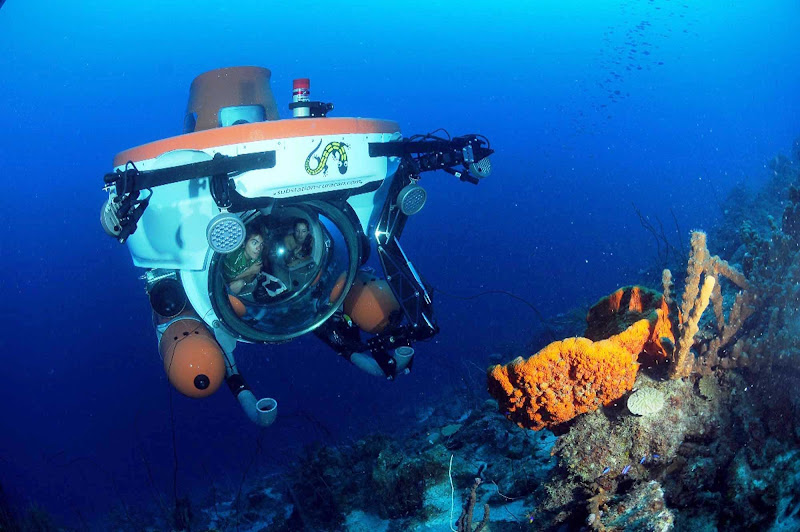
(193, 360)
(370, 303)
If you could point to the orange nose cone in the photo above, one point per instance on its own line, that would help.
(370, 303)
(193, 359)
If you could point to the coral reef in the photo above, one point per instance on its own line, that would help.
(723, 453)
(614, 438)
(413, 482)
(643, 508)
(773, 261)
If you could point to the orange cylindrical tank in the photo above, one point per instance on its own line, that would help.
(336, 291)
(237, 305)
(193, 360)
(370, 303)
(228, 87)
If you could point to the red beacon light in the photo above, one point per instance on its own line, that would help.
(302, 106)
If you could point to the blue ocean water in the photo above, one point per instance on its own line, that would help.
(594, 111)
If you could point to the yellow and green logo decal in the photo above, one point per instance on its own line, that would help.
(332, 149)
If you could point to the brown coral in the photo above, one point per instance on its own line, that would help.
(702, 286)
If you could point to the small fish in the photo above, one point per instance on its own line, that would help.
(626, 469)
(656, 457)
(643, 460)
(605, 471)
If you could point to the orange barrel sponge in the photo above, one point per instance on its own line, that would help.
(564, 379)
(578, 375)
(616, 313)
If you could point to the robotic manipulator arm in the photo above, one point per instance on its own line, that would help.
(389, 352)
